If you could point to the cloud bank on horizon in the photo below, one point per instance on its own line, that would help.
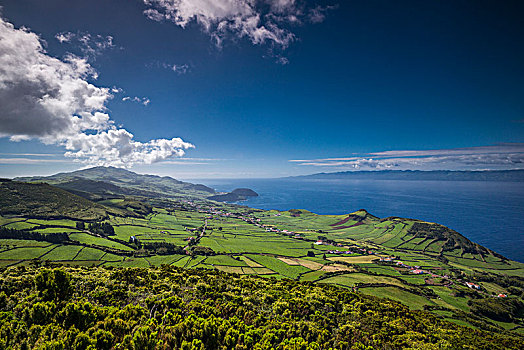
(52, 100)
(502, 156)
(261, 21)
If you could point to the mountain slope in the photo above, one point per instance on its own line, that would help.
(45, 201)
(451, 238)
(116, 181)
(403, 233)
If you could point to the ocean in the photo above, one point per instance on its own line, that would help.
(488, 213)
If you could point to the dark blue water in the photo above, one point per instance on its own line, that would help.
(489, 213)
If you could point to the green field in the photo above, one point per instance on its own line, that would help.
(414, 301)
(241, 240)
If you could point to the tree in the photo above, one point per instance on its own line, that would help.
(102, 228)
(53, 284)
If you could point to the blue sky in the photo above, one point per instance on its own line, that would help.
(261, 88)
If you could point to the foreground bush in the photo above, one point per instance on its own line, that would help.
(172, 308)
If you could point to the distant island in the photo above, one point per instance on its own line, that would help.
(419, 175)
(236, 195)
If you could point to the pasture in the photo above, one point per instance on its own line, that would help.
(272, 244)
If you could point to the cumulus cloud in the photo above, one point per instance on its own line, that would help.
(90, 45)
(261, 21)
(52, 100)
(119, 149)
(502, 156)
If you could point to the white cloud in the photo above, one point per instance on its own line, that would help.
(177, 68)
(90, 45)
(180, 68)
(64, 37)
(503, 156)
(142, 100)
(261, 21)
(19, 161)
(31, 154)
(53, 101)
(282, 60)
(318, 14)
(119, 149)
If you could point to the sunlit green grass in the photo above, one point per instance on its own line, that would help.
(414, 301)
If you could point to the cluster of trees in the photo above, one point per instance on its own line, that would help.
(10, 233)
(199, 250)
(172, 308)
(161, 248)
(101, 228)
(500, 309)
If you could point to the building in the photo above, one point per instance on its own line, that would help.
(472, 285)
(388, 259)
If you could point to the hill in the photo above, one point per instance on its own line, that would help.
(418, 175)
(245, 192)
(236, 195)
(410, 234)
(110, 181)
(452, 240)
(48, 202)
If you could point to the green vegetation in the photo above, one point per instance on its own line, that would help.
(108, 182)
(236, 195)
(47, 202)
(173, 308)
(423, 265)
(500, 309)
(103, 228)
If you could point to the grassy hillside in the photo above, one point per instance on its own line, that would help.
(393, 232)
(173, 308)
(116, 181)
(453, 241)
(48, 202)
(45, 201)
